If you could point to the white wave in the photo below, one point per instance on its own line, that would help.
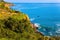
(37, 24)
(50, 33)
(39, 27)
(58, 31)
(32, 19)
(44, 29)
(58, 24)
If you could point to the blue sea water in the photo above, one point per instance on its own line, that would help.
(45, 14)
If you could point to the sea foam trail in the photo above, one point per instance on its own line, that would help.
(37, 24)
(32, 19)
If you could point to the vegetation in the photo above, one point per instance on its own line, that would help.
(15, 25)
(1, 0)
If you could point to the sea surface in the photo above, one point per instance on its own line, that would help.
(45, 15)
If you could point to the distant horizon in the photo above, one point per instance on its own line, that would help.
(33, 1)
(37, 3)
(27, 2)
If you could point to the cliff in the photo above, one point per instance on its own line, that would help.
(15, 25)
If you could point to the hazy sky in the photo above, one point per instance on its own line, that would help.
(35, 1)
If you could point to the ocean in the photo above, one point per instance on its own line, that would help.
(45, 15)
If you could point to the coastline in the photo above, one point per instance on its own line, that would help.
(15, 25)
(34, 26)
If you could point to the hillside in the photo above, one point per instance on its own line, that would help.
(15, 25)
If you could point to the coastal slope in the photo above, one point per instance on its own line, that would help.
(15, 25)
